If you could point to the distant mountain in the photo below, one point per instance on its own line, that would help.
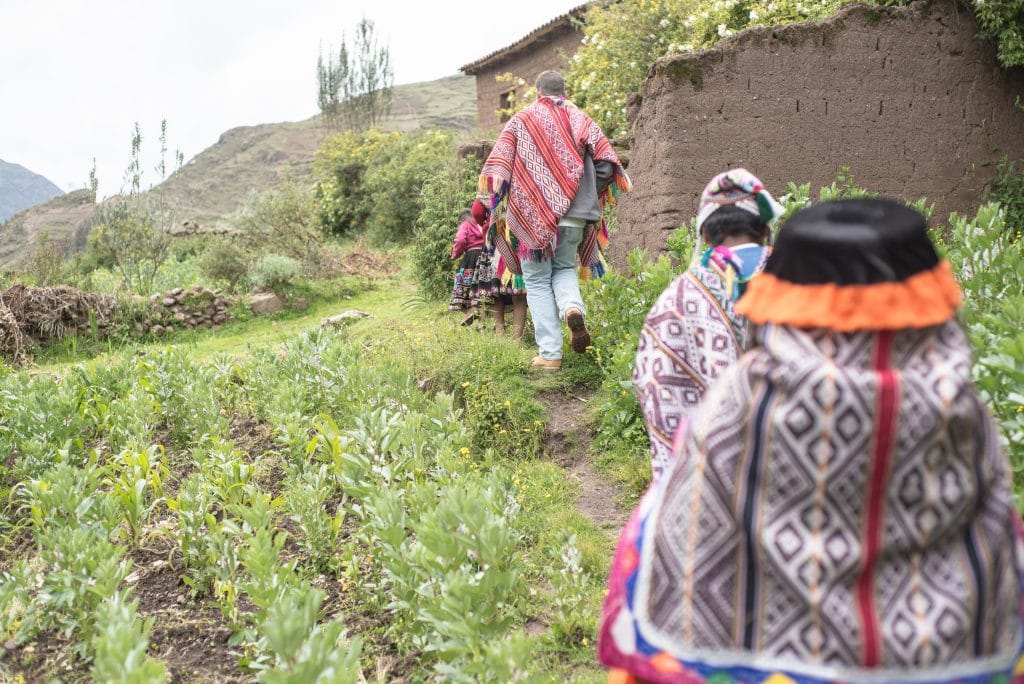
(218, 180)
(21, 189)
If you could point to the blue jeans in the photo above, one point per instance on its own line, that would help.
(552, 287)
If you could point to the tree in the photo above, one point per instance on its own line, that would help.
(354, 89)
(329, 78)
(132, 230)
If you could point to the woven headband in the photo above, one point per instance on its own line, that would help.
(741, 189)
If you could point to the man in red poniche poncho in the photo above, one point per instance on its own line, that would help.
(549, 175)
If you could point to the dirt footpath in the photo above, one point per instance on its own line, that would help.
(567, 443)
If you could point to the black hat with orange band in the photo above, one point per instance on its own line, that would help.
(859, 264)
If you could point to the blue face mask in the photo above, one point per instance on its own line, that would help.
(739, 264)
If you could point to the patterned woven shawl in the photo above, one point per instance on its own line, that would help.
(691, 335)
(533, 173)
(840, 511)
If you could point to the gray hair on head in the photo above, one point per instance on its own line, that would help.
(550, 83)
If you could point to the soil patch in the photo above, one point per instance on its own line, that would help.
(192, 639)
(251, 435)
(567, 442)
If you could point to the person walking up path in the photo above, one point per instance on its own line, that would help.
(549, 175)
(469, 241)
(693, 332)
(499, 294)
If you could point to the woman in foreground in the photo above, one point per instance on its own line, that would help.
(840, 507)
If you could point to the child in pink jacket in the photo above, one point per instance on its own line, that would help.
(469, 240)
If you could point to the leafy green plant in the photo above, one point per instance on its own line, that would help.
(307, 498)
(445, 194)
(193, 511)
(570, 620)
(304, 651)
(120, 642)
(274, 272)
(83, 569)
(135, 478)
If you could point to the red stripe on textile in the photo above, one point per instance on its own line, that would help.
(881, 462)
(547, 153)
(565, 126)
(538, 203)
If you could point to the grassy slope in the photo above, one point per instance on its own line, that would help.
(248, 159)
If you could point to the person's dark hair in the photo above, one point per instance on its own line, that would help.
(727, 222)
(550, 83)
(465, 215)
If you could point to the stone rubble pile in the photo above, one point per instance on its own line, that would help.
(196, 307)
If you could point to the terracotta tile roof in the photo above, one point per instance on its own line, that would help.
(527, 40)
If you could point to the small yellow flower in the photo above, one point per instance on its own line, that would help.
(503, 432)
(464, 451)
(465, 384)
(527, 430)
(585, 641)
(537, 423)
(508, 403)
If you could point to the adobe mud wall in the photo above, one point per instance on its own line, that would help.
(550, 52)
(910, 99)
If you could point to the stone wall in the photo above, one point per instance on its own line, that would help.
(551, 51)
(910, 99)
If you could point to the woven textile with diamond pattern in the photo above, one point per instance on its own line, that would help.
(840, 508)
(774, 547)
(533, 174)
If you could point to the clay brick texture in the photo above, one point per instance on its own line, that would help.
(552, 51)
(910, 99)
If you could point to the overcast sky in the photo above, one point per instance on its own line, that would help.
(75, 75)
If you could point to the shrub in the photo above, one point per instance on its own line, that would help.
(371, 181)
(284, 222)
(274, 272)
(444, 196)
(1003, 23)
(989, 262)
(618, 305)
(395, 178)
(342, 203)
(1007, 188)
(46, 263)
(133, 235)
(225, 260)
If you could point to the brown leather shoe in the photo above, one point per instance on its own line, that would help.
(541, 363)
(578, 329)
